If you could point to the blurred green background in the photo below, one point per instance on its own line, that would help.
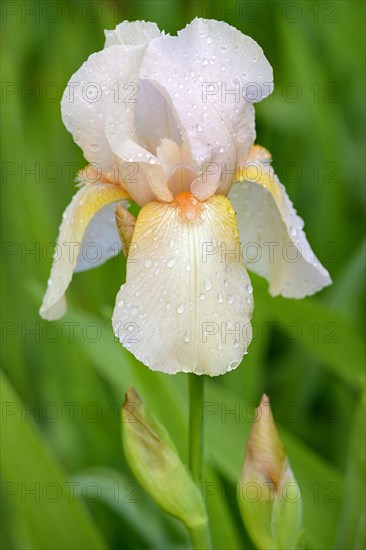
(65, 483)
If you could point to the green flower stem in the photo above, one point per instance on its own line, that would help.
(196, 384)
(200, 535)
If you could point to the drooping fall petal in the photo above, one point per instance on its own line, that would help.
(89, 200)
(187, 301)
(272, 233)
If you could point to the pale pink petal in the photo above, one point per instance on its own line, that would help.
(132, 33)
(198, 70)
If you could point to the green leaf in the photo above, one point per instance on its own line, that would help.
(131, 503)
(323, 331)
(49, 507)
(351, 531)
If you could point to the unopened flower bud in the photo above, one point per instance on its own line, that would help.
(155, 462)
(270, 498)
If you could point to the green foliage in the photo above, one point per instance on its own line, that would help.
(307, 356)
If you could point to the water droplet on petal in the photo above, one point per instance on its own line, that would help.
(207, 284)
(148, 263)
(171, 263)
(181, 308)
(249, 289)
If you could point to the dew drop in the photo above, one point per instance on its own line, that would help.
(249, 289)
(120, 303)
(219, 298)
(187, 337)
(148, 263)
(170, 263)
(207, 284)
(181, 308)
(300, 222)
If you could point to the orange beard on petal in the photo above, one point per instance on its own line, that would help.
(188, 205)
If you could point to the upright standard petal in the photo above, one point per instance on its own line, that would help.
(88, 201)
(187, 301)
(85, 100)
(273, 240)
(211, 73)
(132, 33)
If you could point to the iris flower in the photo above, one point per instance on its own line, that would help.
(168, 122)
